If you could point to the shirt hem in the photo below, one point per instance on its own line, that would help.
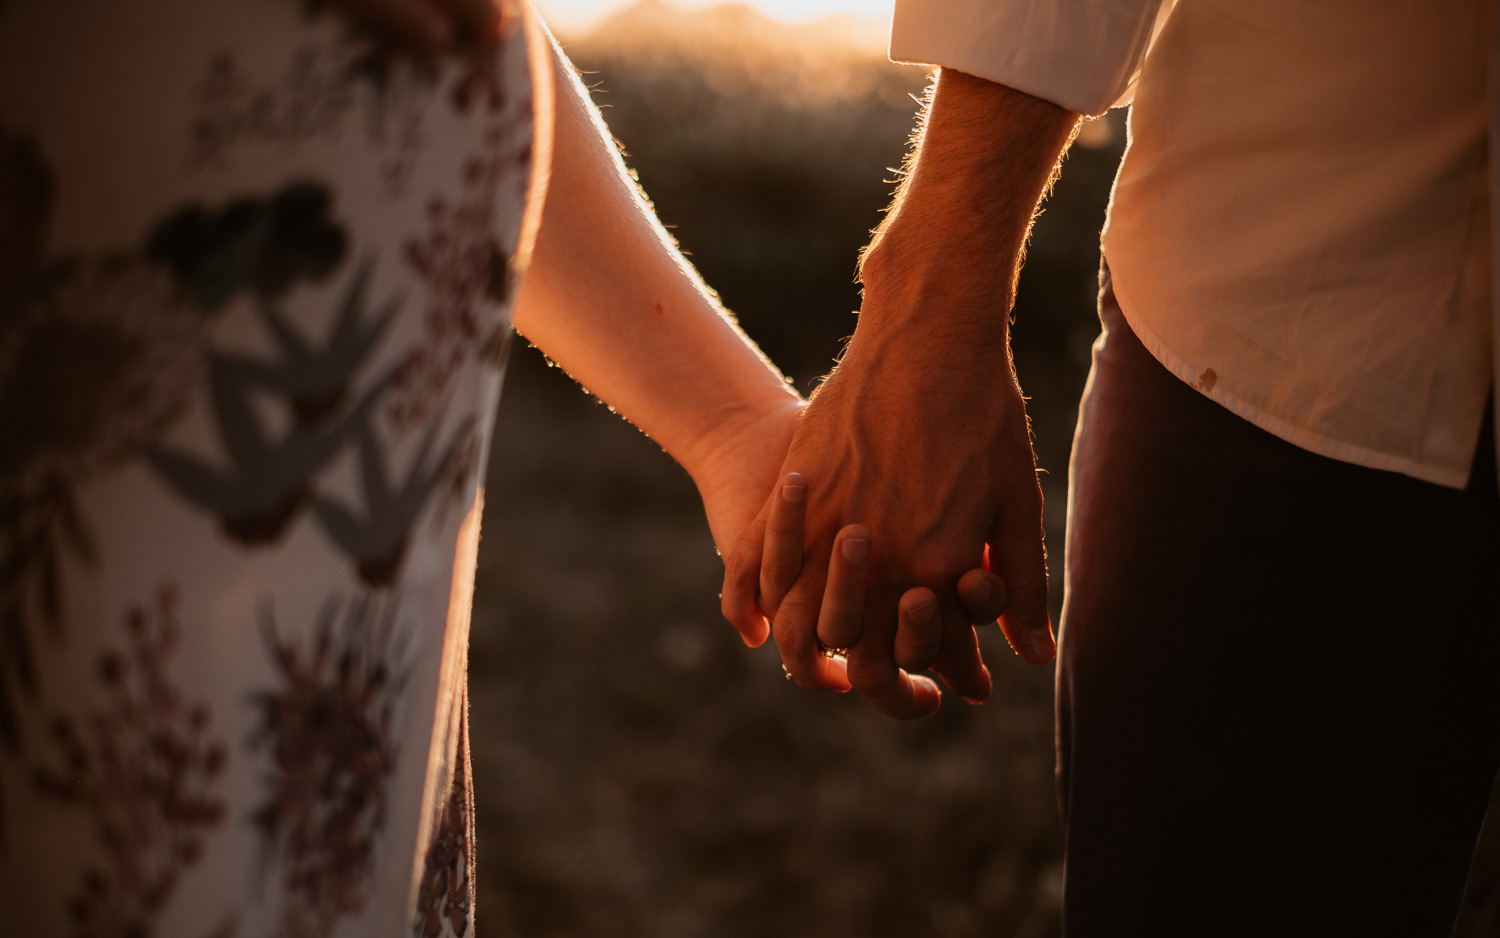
(1286, 430)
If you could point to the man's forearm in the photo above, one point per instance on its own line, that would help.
(921, 431)
(947, 253)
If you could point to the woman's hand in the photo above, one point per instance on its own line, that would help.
(736, 469)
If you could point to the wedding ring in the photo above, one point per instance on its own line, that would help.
(828, 651)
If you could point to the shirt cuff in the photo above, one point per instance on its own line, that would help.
(1083, 55)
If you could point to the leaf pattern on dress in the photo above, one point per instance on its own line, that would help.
(259, 245)
(377, 541)
(315, 381)
(269, 479)
(99, 355)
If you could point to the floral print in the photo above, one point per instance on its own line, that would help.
(248, 366)
(328, 729)
(317, 96)
(445, 900)
(98, 355)
(464, 268)
(146, 769)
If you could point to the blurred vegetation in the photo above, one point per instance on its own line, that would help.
(639, 772)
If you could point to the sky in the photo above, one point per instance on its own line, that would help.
(575, 14)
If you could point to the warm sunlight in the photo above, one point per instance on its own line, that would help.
(573, 15)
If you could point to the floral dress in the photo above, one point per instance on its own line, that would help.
(255, 270)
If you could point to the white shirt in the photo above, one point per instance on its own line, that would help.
(1301, 225)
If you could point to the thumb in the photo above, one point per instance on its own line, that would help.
(1017, 554)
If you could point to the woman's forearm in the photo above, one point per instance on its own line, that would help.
(608, 296)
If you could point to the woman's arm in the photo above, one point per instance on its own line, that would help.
(608, 296)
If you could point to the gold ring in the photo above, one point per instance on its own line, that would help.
(828, 651)
(786, 670)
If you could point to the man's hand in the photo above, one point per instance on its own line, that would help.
(936, 462)
(921, 433)
(918, 631)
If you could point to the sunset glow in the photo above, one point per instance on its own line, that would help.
(581, 14)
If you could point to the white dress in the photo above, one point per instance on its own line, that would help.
(254, 285)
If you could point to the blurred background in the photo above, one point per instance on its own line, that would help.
(639, 772)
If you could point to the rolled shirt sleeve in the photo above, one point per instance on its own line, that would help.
(1083, 55)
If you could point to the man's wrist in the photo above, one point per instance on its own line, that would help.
(914, 284)
(947, 255)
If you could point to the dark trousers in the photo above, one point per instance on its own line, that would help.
(1278, 697)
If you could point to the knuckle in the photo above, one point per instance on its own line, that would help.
(779, 572)
(924, 649)
(1031, 588)
(929, 631)
(848, 588)
(735, 607)
(919, 639)
(873, 679)
(843, 637)
(843, 604)
(1028, 599)
(839, 630)
(917, 657)
(737, 569)
(785, 523)
(939, 567)
(794, 621)
(930, 569)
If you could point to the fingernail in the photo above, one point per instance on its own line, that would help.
(1041, 644)
(982, 592)
(793, 493)
(924, 612)
(855, 548)
(935, 695)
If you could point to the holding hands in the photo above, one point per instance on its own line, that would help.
(920, 435)
(907, 507)
(938, 471)
(915, 643)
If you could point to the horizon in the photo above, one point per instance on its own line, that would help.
(583, 15)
